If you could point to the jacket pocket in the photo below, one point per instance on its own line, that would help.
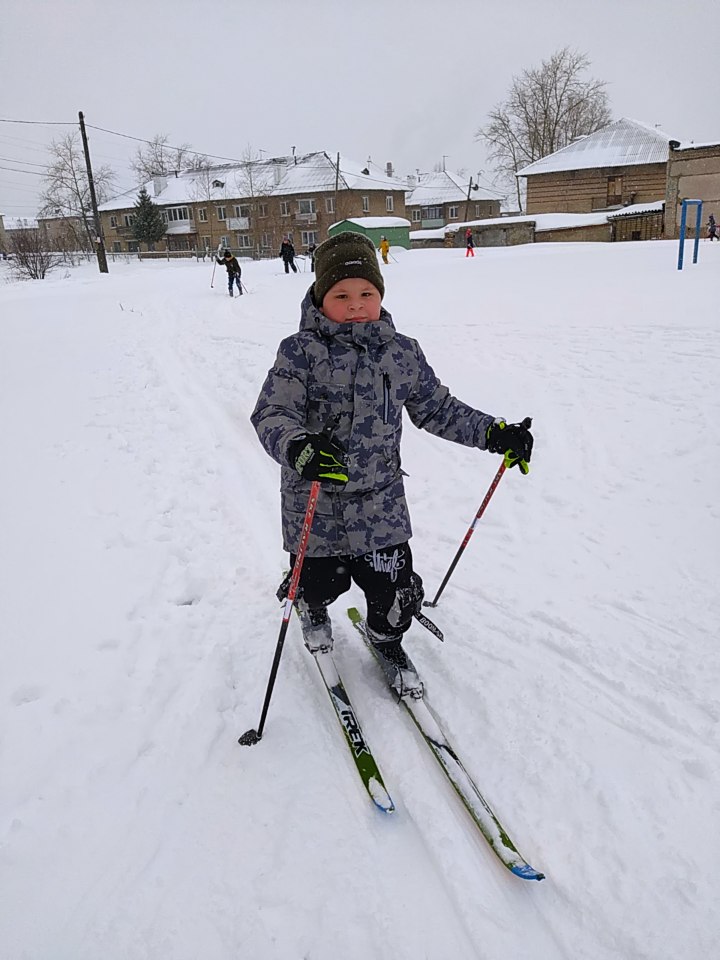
(386, 398)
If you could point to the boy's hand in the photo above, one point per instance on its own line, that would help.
(513, 440)
(315, 457)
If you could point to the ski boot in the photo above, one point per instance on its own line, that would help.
(316, 627)
(398, 668)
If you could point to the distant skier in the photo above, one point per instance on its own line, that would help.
(384, 249)
(287, 252)
(311, 251)
(348, 366)
(233, 270)
(712, 229)
(469, 244)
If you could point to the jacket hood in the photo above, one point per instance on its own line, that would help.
(312, 318)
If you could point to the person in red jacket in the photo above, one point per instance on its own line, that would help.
(469, 243)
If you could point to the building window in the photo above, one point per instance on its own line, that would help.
(133, 246)
(453, 213)
(205, 242)
(128, 219)
(284, 208)
(174, 214)
(202, 215)
(113, 221)
(366, 204)
(224, 242)
(389, 204)
(262, 209)
(244, 241)
(220, 211)
(266, 240)
(219, 184)
(432, 213)
(417, 216)
(242, 210)
(329, 204)
(478, 211)
(614, 191)
(308, 237)
(117, 246)
(306, 207)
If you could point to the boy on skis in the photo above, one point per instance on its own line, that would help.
(233, 271)
(348, 372)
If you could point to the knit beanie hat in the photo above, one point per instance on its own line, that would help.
(342, 257)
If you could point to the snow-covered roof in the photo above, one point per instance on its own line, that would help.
(691, 145)
(619, 144)
(436, 188)
(634, 209)
(543, 221)
(278, 176)
(20, 223)
(376, 222)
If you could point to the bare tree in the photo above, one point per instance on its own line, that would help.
(255, 182)
(156, 158)
(66, 193)
(546, 109)
(32, 257)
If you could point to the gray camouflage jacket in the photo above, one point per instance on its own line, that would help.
(363, 374)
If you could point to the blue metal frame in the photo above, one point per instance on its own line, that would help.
(683, 224)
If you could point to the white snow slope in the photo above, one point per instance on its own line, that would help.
(139, 555)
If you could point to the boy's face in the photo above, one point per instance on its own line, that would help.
(352, 301)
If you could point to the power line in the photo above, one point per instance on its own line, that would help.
(14, 186)
(41, 123)
(31, 173)
(165, 146)
(26, 163)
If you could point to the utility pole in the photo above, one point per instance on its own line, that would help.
(100, 246)
(337, 180)
(471, 186)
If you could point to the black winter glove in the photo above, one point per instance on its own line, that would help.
(513, 440)
(316, 457)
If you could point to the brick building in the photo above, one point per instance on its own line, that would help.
(441, 198)
(249, 207)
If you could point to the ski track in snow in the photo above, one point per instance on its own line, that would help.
(578, 680)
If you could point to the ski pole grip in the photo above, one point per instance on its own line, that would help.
(527, 423)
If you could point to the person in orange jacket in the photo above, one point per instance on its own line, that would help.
(384, 249)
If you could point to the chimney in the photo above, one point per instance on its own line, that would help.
(411, 181)
(159, 184)
(279, 170)
(389, 168)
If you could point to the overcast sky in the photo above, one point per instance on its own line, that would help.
(400, 80)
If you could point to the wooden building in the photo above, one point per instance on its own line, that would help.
(395, 229)
(624, 163)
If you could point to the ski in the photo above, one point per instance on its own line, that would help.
(465, 787)
(364, 761)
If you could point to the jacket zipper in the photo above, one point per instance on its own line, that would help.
(386, 397)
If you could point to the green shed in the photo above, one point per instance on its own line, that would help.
(395, 229)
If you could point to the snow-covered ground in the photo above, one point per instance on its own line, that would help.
(139, 555)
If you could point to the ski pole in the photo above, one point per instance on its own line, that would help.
(213, 273)
(527, 422)
(251, 737)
